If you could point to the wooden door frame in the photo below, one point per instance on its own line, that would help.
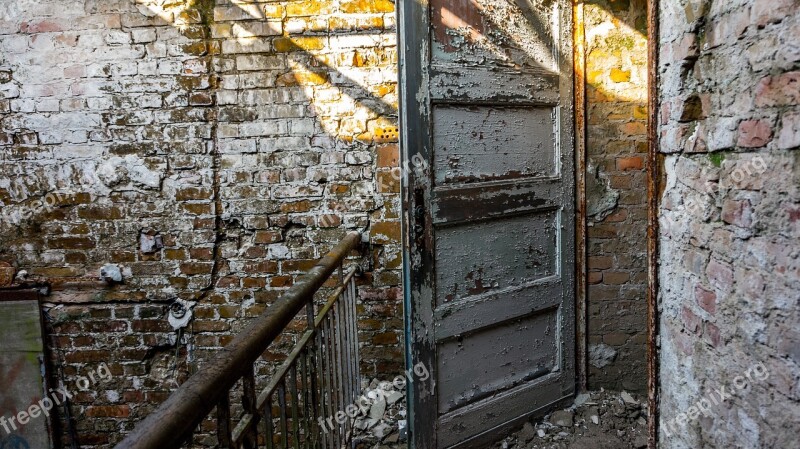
(581, 284)
(413, 21)
(654, 169)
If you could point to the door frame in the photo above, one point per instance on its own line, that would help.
(412, 21)
(655, 162)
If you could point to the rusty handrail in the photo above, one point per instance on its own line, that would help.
(174, 422)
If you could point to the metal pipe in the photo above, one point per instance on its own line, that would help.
(653, 193)
(581, 306)
(180, 414)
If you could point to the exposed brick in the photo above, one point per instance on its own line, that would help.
(615, 278)
(691, 322)
(706, 299)
(367, 6)
(712, 334)
(720, 275)
(388, 156)
(780, 90)
(754, 133)
(630, 163)
(739, 213)
(385, 232)
(108, 411)
(789, 136)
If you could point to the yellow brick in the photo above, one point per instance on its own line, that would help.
(273, 11)
(302, 78)
(594, 76)
(350, 23)
(359, 60)
(383, 130)
(385, 89)
(307, 8)
(285, 44)
(620, 76)
(305, 78)
(367, 6)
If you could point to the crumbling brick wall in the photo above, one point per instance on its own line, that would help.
(212, 150)
(616, 77)
(729, 223)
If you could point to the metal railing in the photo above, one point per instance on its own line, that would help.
(319, 378)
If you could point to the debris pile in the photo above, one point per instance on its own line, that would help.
(596, 420)
(381, 421)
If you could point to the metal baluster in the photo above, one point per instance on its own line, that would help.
(249, 404)
(304, 392)
(282, 405)
(269, 431)
(323, 382)
(313, 385)
(224, 422)
(295, 406)
(357, 348)
(337, 324)
(347, 366)
(313, 352)
(331, 383)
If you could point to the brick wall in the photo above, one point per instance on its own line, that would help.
(213, 150)
(730, 274)
(616, 75)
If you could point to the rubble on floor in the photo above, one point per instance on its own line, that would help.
(596, 420)
(381, 422)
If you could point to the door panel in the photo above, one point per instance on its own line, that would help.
(510, 251)
(525, 347)
(487, 103)
(485, 143)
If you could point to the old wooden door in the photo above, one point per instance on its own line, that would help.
(487, 105)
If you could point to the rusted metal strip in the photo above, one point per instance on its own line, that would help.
(224, 422)
(579, 36)
(306, 395)
(356, 360)
(245, 433)
(269, 429)
(295, 407)
(284, 418)
(249, 404)
(653, 193)
(175, 420)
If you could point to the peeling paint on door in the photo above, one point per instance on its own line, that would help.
(488, 103)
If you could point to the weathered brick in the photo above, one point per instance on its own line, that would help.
(780, 90)
(691, 322)
(754, 133)
(385, 232)
(367, 6)
(108, 411)
(739, 213)
(283, 45)
(630, 163)
(706, 299)
(789, 136)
